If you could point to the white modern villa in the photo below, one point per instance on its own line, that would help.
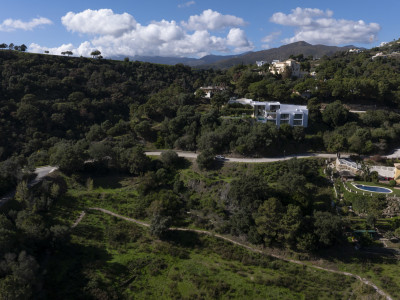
(275, 112)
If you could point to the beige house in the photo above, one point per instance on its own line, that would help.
(397, 173)
(278, 67)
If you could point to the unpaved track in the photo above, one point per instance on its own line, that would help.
(253, 249)
(83, 213)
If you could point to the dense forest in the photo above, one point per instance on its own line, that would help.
(92, 105)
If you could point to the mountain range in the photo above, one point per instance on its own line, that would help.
(222, 62)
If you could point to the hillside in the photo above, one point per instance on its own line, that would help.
(226, 61)
(281, 53)
(189, 61)
(95, 118)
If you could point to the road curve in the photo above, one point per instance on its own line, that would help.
(253, 249)
(41, 173)
(252, 160)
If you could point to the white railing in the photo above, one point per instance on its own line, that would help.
(350, 164)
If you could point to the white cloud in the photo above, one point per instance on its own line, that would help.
(162, 38)
(11, 25)
(212, 20)
(269, 38)
(237, 38)
(186, 4)
(83, 50)
(299, 16)
(102, 21)
(319, 27)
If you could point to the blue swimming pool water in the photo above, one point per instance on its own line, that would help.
(375, 189)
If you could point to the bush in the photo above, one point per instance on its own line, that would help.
(205, 160)
(170, 159)
(392, 183)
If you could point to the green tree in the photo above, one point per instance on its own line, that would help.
(219, 99)
(170, 159)
(8, 235)
(328, 228)
(205, 160)
(135, 160)
(334, 142)
(22, 193)
(68, 157)
(268, 220)
(95, 54)
(159, 225)
(335, 114)
(360, 142)
(19, 276)
(291, 224)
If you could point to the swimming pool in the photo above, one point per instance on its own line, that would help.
(375, 189)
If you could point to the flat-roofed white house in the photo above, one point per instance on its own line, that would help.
(260, 63)
(210, 90)
(276, 113)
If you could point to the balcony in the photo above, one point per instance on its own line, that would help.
(274, 108)
(285, 117)
(297, 122)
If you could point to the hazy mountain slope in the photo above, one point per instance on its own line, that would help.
(222, 61)
(280, 53)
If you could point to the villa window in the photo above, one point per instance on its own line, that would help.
(298, 116)
(297, 122)
(284, 116)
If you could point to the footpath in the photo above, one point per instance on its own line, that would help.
(248, 247)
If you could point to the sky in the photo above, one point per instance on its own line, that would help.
(193, 28)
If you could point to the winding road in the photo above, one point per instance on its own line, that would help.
(188, 154)
(250, 248)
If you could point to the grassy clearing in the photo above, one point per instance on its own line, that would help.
(184, 266)
(118, 258)
(383, 271)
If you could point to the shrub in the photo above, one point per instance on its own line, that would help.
(205, 160)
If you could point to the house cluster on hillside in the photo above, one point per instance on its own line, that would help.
(383, 55)
(351, 169)
(210, 90)
(355, 50)
(278, 67)
(276, 113)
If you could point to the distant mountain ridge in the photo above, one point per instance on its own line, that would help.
(222, 62)
(281, 53)
(169, 60)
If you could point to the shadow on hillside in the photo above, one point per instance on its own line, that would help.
(348, 254)
(184, 239)
(74, 270)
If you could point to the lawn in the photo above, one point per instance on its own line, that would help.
(396, 192)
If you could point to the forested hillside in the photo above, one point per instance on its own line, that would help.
(94, 118)
(96, 107)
